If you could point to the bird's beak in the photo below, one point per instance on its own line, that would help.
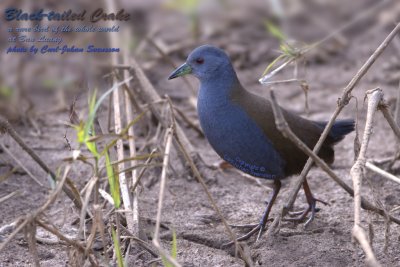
(182, 70)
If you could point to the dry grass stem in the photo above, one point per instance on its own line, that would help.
(383, 107)
(85, 208)
(156, 237)
(34, 178)
(397, 110)
(382, 173)
(131, 140)
(167, 58)
(30, 217)
(8, 196)
(50, 228)
(150, 95)
(69, 189)
(117, 103)
(238, 248)
(375, 96)
(342, 102)
(285, 129)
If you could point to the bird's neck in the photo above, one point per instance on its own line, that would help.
(219, 88)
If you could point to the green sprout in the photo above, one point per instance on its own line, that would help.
(5, 91)
(117, 248)
(174, 251)
(289, 52)
(113, 181)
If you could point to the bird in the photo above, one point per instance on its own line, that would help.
(240, 127)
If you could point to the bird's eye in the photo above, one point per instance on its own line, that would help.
(199, 60)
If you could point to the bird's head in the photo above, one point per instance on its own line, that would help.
(205, 62)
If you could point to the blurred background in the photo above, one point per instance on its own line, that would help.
(160, 34)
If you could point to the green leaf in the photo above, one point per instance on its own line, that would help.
(274, 30)
(185, 6)
(5, 91)
(94, 107)
(124, 131)
(92, 101)
(49, 83)
(273, 63)
(166, 262)
(85, 130)
(80, 133)
(117, 248)
(174, 250)
(113, 182)
(288, 50)
(92, 148)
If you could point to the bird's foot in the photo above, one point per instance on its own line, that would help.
(301, 215)
(261, 226)
(258, 228)
(244, 226)
(254, 228)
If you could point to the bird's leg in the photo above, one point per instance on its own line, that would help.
(275, 192)
(312, 202)
(260, 227)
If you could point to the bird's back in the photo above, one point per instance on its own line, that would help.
(260, 110)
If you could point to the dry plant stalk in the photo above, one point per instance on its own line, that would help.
(357, 172)
(31, 217)
(8, 196)
(34, 178)
(382, 173)
(393, 122)
(114, 42)
(76, 244)
(69, 189)
(282, 126)
(156, 237)
(342, 102)
(200, 179)
(131, 141)
(155, 43)
(150, 95)
(90, 186)
(383, 107)
(366, 13)
(397, 110)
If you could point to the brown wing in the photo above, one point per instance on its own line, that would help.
(260, 110)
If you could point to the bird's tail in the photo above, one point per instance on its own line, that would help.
(339, 129)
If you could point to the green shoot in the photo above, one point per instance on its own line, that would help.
(86, 129)
(94, 107)
(275, 31)
(5, 91)
(174, 251)
(50, 83)
(184, 6)
(288, 52)
(113, 182)
(273, 63)
(124, 131)
(117, 248)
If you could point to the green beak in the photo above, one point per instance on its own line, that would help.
(182, 70)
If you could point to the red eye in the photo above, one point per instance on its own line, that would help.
(199, 60)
